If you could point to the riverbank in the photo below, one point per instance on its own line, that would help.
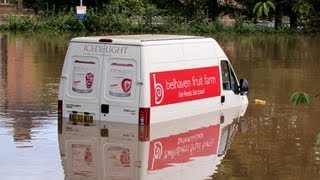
(119, 23)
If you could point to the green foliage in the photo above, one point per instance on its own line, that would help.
(263, 8)
(257, 10)
(173, 25)
(302, 98)
(92, 22)
(63, 22)
(310, 24)
(151, 16)
(302, 8)
(21, 23)
(284, 29)
(243, 27)
(206, 26)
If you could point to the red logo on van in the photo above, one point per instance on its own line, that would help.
(126, 85)
(170, 87)
(89, 80)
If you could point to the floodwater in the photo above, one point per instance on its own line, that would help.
(274, 140)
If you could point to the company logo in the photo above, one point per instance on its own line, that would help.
(157, 152)
(158, 91)
(105, 49)
(89, 79)
(126, 85)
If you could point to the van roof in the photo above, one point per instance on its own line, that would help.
(145, 39)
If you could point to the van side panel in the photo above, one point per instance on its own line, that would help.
(183, 80)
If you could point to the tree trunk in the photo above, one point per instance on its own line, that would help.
(20, 6)
(278, 15)
(212, 9)
(293, 17)
(293, 20)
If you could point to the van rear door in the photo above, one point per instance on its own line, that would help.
(80, 84)
(119, 100)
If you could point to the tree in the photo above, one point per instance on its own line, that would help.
(299, 8)
(302, 7)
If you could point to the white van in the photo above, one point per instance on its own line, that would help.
(146, 79)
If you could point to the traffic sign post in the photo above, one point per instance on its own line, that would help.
(81, 12)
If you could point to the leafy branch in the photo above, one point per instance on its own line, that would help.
(300, 98)
(263, 8)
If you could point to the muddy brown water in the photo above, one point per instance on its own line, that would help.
(274, 140)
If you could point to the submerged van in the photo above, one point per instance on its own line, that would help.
(146, 79)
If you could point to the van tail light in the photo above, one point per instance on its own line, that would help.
(144, 133)
(60, 105)
(144, 116)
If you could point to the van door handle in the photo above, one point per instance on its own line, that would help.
(223, 99)
(105, 108)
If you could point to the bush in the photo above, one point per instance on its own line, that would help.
(92, 22)
(203, 26)
(63, 22)
(21, 23)
(243, 27)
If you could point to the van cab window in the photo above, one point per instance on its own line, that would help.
(229, 80)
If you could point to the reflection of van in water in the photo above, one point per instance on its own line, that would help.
(189, 150)
(146, 79)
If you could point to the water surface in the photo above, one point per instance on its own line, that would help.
(279, 140)
(273, 141)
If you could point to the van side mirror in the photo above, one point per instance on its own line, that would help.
(244, 87)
